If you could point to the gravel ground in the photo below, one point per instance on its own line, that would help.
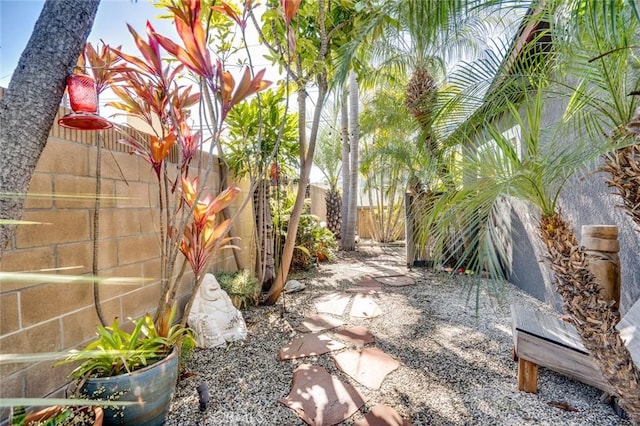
(456, 366)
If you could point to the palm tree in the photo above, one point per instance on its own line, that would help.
(327, 159)
(595, 56)
(388, 161)
(262, 137)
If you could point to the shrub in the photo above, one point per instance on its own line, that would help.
(242, 287)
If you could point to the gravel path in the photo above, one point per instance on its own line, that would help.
(456, 367)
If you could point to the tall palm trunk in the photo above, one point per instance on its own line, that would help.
(349, 236)
(333, 204)
(265, 261)
(594, 317)
(623, 166)
(346, 163)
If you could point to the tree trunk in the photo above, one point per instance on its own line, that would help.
(593, 316)
(264, 235)
(306, 160)
(346, 162)
(31, 101)
(349, 236)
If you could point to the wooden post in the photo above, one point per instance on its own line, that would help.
(527, 376)
(602, 247)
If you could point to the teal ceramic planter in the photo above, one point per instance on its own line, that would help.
(151, 387)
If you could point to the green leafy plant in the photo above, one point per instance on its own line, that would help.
(314, 241)
(242, 287)
(116, 351)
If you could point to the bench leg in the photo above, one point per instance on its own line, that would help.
(527, 376)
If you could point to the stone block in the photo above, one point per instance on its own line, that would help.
(44, 337)
(141, 301)
(41, 303)
(13, 386)
(27, 260)
(57, 226)
(43, 378)
(40, 192)
(79, 327)
(64, 157)
(136, 194)
(137, 249)
(74, 192)
(119, 222)
(9, 313)
(78, 256)
(117, 165)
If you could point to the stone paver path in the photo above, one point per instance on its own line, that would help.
(320, 398)
(333, 303)
(309, 345)
(368, 366)
(319, 322)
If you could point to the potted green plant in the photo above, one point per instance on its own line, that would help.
(140, 365)
(190, 226)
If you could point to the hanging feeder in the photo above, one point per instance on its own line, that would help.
(83, 97)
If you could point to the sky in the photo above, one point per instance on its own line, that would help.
(18, 17)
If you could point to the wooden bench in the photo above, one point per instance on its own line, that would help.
(548, 341)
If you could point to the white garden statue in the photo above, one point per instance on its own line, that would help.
(213, 318)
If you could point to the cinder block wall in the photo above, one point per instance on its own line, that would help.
(45, 316)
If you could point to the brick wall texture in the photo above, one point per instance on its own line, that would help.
(44, 315)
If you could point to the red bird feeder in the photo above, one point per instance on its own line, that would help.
(83, 97)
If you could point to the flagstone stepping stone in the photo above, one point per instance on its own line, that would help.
(366, 286)
(382, 415)
(364, 290)
(396, 281)
(309, 345)
(334, 303)
(357, 335)
(368, 366)
(320, 398)
(364, 307)
(381, 271)
(368, 282)
(319, 322)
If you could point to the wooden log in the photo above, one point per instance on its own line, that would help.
(601, 245)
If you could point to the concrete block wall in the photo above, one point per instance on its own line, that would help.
(47, 316)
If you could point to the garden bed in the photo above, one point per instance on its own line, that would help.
(455, 367)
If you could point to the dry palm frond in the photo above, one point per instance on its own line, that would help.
(623, 166)
(333, 202)
(421, 93)
(593, 316)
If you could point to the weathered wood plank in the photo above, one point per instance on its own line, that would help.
(550, 342)
(629, 327)
(546, 327)
(569, 362)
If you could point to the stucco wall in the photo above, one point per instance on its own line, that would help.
(584, 201)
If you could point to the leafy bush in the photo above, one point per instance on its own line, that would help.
(314, 241)
(242, 287)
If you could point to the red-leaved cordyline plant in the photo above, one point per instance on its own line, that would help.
(189, 218)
